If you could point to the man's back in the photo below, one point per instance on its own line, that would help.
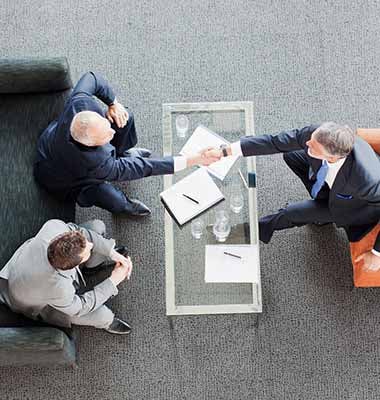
(62, 163)
(33, 283)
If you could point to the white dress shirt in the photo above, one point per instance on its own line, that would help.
(180, 163)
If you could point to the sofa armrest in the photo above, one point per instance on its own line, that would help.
(35, 345)
(34, 75)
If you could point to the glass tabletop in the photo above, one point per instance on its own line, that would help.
(186, 289)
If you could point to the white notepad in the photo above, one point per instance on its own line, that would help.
(200, 187)
(202, 138)
(226, 268)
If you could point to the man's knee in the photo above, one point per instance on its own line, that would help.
(100, 318)
(99, 226)
(95, 225)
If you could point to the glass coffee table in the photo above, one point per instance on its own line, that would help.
(186, 289)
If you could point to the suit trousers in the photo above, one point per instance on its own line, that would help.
(105, 195)
(302, 212)
(102, 317)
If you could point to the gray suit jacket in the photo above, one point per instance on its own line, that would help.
(36, 289)
(354, 199)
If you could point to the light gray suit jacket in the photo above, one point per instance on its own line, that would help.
(36, 289)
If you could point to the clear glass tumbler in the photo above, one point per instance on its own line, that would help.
(236, 202)
(197, 226)
(182, 125)
(222, 226)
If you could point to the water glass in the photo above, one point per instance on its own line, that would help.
(236, 202)
(222, 226)
(197, 228)
(182, 125)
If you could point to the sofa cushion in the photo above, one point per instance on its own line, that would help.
(34, 75)
(25, 207)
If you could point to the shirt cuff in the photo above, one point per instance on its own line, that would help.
(236, 149)
(114, 101)
(180, 163)
(375, 252)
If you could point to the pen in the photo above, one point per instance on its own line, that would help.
(190, 198)
(230, 254)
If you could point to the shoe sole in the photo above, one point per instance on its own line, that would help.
(116, 332)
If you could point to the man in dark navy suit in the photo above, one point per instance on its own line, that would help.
(339, 170)
(86, 148)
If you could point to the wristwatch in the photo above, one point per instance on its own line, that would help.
(223, 147)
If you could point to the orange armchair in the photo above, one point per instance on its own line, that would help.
(364, 278)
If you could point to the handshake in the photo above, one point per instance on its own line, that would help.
(207, 156)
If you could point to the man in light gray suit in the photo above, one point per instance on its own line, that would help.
(42, 280)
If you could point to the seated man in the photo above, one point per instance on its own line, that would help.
(44, 280)
(339, 170)
(86, 148)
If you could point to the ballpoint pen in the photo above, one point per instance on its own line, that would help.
(190, 198)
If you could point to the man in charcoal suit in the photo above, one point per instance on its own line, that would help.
(339, 170)
(86, 148)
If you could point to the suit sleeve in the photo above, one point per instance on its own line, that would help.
(283, 142)
(102, 245)
(130, 168)
(95, 85)
(78, 305)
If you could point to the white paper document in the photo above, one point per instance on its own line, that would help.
(191, 196)
(202, 138)
(222, 267)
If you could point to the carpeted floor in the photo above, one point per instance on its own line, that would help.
(300, 62)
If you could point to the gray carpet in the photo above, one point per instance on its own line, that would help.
(300, 62)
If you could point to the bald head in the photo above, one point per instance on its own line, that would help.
(91, 129)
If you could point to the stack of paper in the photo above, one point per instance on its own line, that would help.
(232, 263)
(191, 196)
(203, 138)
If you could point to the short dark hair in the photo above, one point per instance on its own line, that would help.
(64, 251)
(338, 140)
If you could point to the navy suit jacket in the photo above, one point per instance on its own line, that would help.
(354, 199)
(64, 166)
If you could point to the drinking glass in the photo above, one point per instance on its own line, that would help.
(197, 228)
(236, 202)
(182, 125)
(222, 226)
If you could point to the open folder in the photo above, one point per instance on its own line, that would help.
(191, 196)
(232, 263)
(203, 138)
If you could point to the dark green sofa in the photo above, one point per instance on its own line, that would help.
(32, 93)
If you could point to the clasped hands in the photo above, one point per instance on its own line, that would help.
(122, 269)
(117, 114)
(207, 156)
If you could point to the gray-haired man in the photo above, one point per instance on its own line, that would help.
(339, 170)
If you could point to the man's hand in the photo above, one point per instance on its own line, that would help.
(371, 261)
(205, 157)
(117, 114)
(123, 268)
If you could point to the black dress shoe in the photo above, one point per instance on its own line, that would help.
(137, 152)
(135, 208)
(118, 327)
